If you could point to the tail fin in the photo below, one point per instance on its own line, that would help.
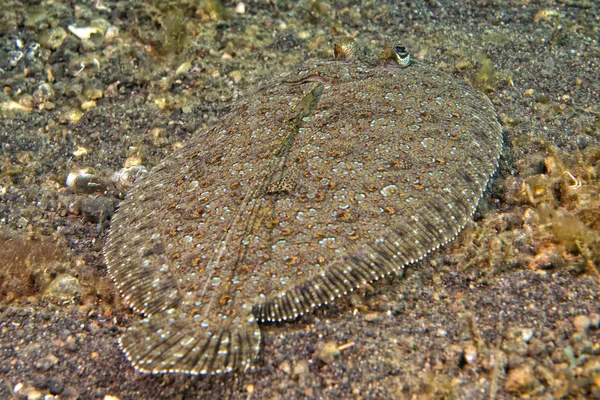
(175, 343)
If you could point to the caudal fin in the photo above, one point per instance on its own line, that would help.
(166, 343)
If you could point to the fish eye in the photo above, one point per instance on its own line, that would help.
(402, 56)
(346, 49)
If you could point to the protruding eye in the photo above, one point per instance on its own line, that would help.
(402, 56)
(346, 49)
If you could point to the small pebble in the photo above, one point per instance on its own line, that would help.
(45, 363)
(13, 106)
(112, 33)
(26, 100)
(327, 352)
(250, 389)
(516, 347)
(30, 393)
(43, 93)
(98, 209)
(471, 354)
(63, 288)
(581, 323)
(79, 152)
(88, 105)
(514, 361)
(286, 367)
(373, 317)
(18, 387)
(236, 76)
(69, 393)
(301, 368)
(22, 222)
(93, 327)
(558, 356)
(73, 116)
(592, 368)
(595, 320)
(521, 380)
(537, 348)
(441, 332)
(55, 386)
(84, 33)
(527, 334)
(183, 68)
(582, 344)
(83, 182)
(53, 38)
(71, 344)
(93, 93)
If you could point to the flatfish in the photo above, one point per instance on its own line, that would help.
(338, 174)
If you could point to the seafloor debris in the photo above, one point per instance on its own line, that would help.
(336, 175)
(126, 177)
(84, 182)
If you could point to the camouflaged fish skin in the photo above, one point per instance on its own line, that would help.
(338, 174)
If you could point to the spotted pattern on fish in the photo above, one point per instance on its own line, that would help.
(336, 175)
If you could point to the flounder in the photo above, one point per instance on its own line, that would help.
(336, 175)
